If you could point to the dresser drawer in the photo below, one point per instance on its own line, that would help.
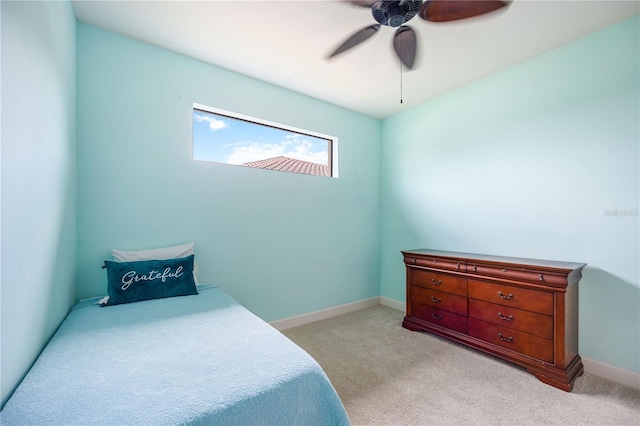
(439, 316)
(439, 299)
(518, 319)
(517, 274)
(441, 282)
(431, 262)
(515, 297)
(527, 344)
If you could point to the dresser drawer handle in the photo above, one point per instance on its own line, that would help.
(505, 339)
(541, 277)
(509, 297)
(434, 282)
(436, 316)
(436, 299)
(503, 318)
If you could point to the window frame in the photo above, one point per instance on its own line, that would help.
(332, 141)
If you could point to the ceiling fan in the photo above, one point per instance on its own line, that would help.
(395, 13)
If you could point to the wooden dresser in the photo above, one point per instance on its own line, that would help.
(522, 310)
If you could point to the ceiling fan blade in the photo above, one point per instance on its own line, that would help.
(453, 10)
(363, 3)
(356, 39)
(405, 45)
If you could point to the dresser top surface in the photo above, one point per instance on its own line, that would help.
(485, 258)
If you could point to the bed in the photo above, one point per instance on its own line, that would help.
(189, 360)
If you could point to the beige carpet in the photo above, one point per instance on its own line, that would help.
(388, 375)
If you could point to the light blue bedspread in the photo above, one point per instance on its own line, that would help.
(201, 359)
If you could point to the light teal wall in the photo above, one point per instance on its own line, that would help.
(38, 180)
(531, 162)
(282, 244)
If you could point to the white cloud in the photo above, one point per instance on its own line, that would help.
(254, 152)
(303, 150)
(214, 124)
(298, 148)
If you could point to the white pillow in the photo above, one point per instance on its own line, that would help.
(162, 253)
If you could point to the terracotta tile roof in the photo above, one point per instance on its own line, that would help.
(287, 164)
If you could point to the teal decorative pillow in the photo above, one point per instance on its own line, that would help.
(149, 279)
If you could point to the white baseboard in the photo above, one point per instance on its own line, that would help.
(392, 303)
(303, 319)
(615, 374)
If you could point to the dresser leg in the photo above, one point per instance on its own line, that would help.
(561, 379)
(410, 326)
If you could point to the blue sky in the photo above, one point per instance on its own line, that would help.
(233, 141)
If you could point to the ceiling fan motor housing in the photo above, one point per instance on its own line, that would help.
(394, 13)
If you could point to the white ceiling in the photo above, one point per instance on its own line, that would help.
(286, 43)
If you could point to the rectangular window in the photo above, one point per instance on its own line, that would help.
(230, 138)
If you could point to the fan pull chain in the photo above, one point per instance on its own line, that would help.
(400, 82)
(401, 47)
